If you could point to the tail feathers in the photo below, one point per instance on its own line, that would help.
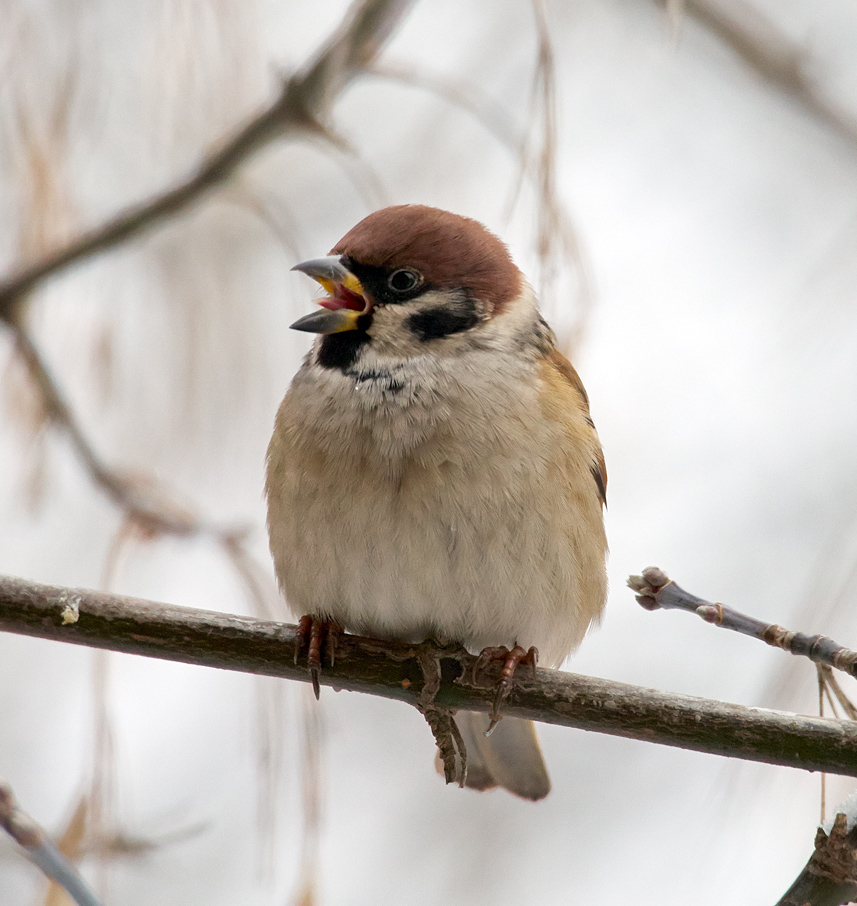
(510, 757)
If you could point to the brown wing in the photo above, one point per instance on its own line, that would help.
(560, 365)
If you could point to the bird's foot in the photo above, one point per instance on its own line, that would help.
(317, 637)
(510, 658)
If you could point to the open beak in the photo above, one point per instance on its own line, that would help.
(345, 303)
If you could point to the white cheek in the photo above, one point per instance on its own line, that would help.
(393, 336)
(394, 340)
(390, 333)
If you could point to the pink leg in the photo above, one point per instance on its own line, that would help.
(315, 636)
(511, 659)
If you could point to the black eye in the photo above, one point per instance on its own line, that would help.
(403, 280)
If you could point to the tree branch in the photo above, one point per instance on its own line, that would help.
(302, 105)
(392, 670)
(656, 590)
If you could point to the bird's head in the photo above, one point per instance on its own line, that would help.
(410, 279)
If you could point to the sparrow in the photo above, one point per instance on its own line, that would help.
(434, 471)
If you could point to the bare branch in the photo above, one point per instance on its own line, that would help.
(393, 670)
(656, 590)
(302, 106)
(42, 852)
(772, 56)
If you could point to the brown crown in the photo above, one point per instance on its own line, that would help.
(450, 251)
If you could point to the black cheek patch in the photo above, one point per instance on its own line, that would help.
(444, 320)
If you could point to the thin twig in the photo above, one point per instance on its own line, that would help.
(656, 590)
(302, 106)
(312, 768)
(556, 237)
(41, 850)
(392, 670)
(831, 685)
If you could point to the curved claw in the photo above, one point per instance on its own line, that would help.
(510, 659)
(316, 635)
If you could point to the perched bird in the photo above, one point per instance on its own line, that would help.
(434, 471)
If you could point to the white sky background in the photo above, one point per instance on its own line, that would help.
(719, 221)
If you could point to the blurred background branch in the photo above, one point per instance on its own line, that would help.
(29, 835)
(302, 107)
(781, 63)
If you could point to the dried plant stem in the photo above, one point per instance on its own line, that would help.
(42, 852)
(832, 688)
(393, 670)
(656, 590)
(312, 768)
